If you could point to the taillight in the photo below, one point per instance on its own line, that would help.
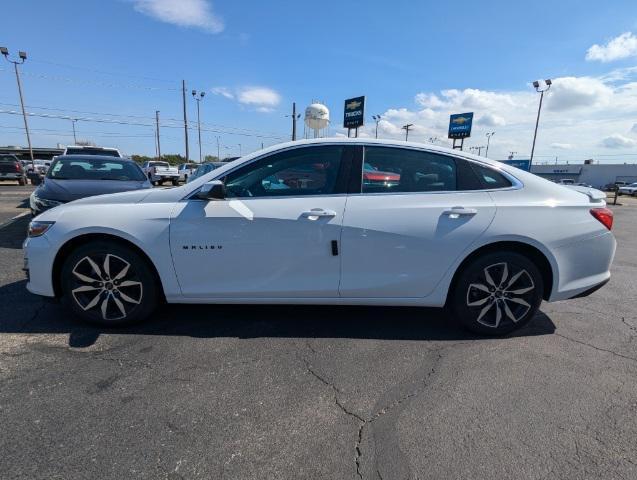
(604, 215)
(18, 168)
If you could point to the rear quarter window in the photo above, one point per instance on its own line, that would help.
(490, 178)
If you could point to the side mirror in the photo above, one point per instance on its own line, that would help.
(213, 190)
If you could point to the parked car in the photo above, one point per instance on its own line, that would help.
(204, 168)
(628, 190)
(11, 169)
(566, 181)
(186, 170)
(612, 187)
(90, 150)
(486, 240)
(160, 172)
(72, 177)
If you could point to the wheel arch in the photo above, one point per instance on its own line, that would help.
(530, 251)
(75, 242)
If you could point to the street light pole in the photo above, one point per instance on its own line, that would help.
(183, 97)
(376, 119)
(23, 56)
(199, 97)
(540, 89)
(406, 129)
(489, 135)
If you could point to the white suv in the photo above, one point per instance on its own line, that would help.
(630, 189)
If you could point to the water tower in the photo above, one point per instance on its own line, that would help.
(317, 120)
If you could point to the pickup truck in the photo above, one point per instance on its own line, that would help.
(186, 170)
(160, 172)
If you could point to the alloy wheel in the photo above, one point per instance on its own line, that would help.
(107, 285)
(502, 293)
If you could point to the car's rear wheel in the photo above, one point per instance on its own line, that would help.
(109, 284)
(175, 182)
(497, 293)
(22, 182)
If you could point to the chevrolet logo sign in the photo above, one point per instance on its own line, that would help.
(460, 120)
(353, 105)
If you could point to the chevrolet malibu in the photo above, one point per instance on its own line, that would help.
(296, 224)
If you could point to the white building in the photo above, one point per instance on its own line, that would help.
(596, 175)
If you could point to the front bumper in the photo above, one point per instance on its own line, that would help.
(38, 262)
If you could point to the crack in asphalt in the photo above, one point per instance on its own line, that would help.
(595, 347)
(363, 422)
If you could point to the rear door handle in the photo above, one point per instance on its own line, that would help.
(317, 213)
(457, 212)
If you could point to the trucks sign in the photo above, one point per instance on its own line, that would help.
(460, 125)
(354, 116)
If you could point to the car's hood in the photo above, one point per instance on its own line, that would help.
(69, 190)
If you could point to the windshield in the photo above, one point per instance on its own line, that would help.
(158, 164)
(98, 169)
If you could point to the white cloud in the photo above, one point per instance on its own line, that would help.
(580, 118)
(617, 140)
(574, 92)
(623, 46)
(258, 96)
(223, 91)
(561, 146)
(184, 13)
(263, 99)
(491, 120)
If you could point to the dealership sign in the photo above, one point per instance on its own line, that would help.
(460, 125)
(354, 112)
(521, 164)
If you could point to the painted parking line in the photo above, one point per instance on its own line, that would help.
(11, 220)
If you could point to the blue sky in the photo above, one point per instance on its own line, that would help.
(416, 62)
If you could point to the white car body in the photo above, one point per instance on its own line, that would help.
(394, 248)
(628, 189)
(90, 150)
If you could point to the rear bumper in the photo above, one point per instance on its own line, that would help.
(583, 266)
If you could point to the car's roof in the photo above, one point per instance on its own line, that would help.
(79, 156)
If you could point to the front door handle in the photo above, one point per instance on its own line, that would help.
(317, 213)
(457, 212)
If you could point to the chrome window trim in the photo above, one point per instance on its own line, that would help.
(516, 183)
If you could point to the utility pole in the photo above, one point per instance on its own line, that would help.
(199, 97)
(489, 135)
(218, 152)
(295, 117)
(157, 131)
(183, 93)
(239, 149)
(73, 120)
(406, 128)
(540, 90)
(23, 56)
(376, 119)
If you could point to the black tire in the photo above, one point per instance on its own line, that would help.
(175, 182)
(125, 304)
(22, 182)
(483, 288)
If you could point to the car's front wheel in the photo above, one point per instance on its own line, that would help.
(497, 293)
(108, 284)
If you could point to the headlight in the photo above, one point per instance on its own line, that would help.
(37, 229)
(39, 203)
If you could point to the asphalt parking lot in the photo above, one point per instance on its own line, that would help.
(317, 392)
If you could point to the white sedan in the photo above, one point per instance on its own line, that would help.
(306, 223)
